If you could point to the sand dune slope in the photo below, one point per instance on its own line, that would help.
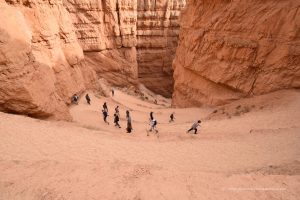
(249, 154)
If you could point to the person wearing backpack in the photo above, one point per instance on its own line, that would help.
(172, 117)
(112, 92)
(105, 115)
(116, 120)
(88, 99)
(129, 125)
(153, 124)
(74, 99)
(194, 127)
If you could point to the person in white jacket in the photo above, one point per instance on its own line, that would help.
(194, 126)
(153, 124)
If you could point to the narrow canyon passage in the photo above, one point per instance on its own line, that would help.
(130, 41)
(157, 38)
(64, 47)
(233, 64)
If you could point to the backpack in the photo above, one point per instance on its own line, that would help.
(155, 123)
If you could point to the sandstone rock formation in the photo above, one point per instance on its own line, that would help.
(50, 50)
(106, 30)
(157, 35)
(127, 39)
(233, 49)
(40, 59)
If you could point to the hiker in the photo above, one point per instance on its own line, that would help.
(153, 124)
(105, 115)
(105, 107)
(129, 125)
(105, 112)
(117, 111)
(74, 99)
(155, 101)
(172, 117)
(88, 99)
(194, 127)
(116, 120)
(112, 92)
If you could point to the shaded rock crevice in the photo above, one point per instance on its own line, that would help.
(157, 35)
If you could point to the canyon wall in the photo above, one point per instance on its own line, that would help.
(106, 30)
(41, 61)
(233, 49)
(157, 35)
(51, 49)
(127, 39)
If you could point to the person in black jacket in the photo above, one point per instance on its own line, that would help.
(116, 120)
(88, 99)
(105, 115)
(172, 117)
(129, 125)
(74, 99)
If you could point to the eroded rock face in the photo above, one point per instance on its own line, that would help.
(106, 30)
(50, 50)
(127, 39)
(233, 49)
(157, 35)
(40, 59)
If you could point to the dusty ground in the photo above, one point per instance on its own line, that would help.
(246, 150)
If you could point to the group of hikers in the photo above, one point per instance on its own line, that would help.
(152, 120)
(75, 98)
(117, 117)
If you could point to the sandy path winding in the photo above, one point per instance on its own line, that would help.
(88, 159)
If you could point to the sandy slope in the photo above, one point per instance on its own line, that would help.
(249, 155)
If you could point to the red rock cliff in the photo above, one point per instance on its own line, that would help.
(41, 61)
(233, 49)
(51, 49)
(128, 39)
(106, 30)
